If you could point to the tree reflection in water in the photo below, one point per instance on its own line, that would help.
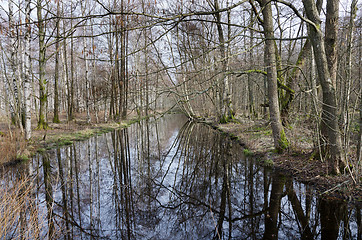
(161, 180)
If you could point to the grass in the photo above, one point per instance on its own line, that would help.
(67, 138)
(268, 162)
(247, 152)
(12, 146)
(19, 217)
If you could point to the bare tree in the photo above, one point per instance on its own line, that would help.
(280, 139)
(329, 108)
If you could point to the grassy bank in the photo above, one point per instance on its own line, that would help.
(15, 149)
(255, 136)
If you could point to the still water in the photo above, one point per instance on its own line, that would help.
(174, 179)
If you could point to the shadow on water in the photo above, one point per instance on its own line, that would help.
(174, 179)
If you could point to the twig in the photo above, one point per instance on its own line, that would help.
(337, 186)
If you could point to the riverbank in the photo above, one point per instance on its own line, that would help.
(299, 162)
(15, 149)
(254, 135)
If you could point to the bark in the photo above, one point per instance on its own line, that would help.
(292, 81)
(329, 109)
(86, 77)
(27, 77)
(15, 106)
(331, 36)
(43, 95)
(71, 90)
(56, 70)
(280, 140)
(348, 82)
(227, 112)
(252, 111)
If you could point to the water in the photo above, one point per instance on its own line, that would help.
(174, 179)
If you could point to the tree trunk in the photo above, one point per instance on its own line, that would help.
(331, 36)
(27, 78)
(71, 90)
(226, 111)
(16, 105)
(43, 95)
(56, 70)
(86, 77)
(280, 140)
(329, 109)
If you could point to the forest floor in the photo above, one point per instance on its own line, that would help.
(253, 135)
(299, 161)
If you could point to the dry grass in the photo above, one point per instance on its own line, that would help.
(19, 217)
(12, 146)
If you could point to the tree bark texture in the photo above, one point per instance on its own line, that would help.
(329, 108)
(43, 95)
(279, 137)
(27, 75)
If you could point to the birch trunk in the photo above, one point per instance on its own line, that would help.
(226, 113)
(27, 77)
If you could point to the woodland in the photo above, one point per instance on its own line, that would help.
(280, 60)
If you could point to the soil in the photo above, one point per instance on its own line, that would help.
(299, 161)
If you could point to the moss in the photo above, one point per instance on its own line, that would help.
(247, 152)
(64, 142)
(22, 157)
(282, 142)
(41, 150)
(268, 162)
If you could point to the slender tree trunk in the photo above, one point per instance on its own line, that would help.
(280, 140)
(252, 112)
(71, 90)
(27, 77)
(16, 106)
(226, 113)
(43, 95)
(348, 82)
(329, 109)
(86, 78)
(56, 70)
(122, 90)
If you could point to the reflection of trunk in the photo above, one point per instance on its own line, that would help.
(64, 193)
(331, 215)
(122, 188)
(271, 219)
(298, 210)
(48, 195)
(359, 222)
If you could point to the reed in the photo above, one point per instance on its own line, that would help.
(21, 214)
